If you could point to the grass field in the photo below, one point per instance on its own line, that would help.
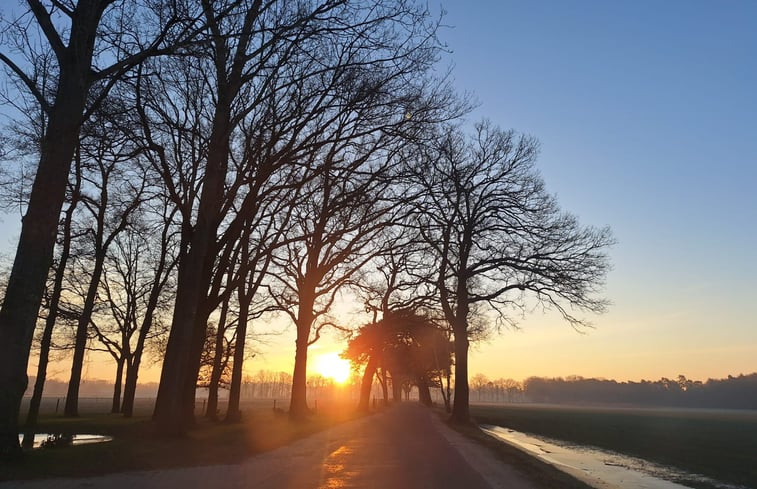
(718, 444)
(134, 445)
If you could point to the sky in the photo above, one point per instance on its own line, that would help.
(647, 117)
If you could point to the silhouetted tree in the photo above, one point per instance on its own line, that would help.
(87, 47)
(152, 292)
(337, 226)
(495, 235)
(409, 344)
(112, 190)
(221, 355)
(373, 92)
(134, 290)
(215, 366)
(52, 312)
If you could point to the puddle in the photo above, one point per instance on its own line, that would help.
(60, 439)
(600, 468)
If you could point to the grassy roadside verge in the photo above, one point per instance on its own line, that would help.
(135, 447)
(542, 474)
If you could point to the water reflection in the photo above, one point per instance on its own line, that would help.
(600, 468)
(53, 440)
(336, 474)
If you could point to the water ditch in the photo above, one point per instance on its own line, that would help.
(51, 440)
(604, 469)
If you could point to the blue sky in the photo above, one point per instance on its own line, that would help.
(647, 116)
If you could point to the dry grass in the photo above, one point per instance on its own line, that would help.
(135, 446)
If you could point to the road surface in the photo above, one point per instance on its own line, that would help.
(405, 447)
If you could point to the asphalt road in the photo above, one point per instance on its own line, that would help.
(403, 447)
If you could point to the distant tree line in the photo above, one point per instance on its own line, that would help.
(263, 384)
(733, 392)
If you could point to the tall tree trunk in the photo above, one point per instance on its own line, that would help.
(424, 394)
(233, 413)
(72, 396)
(133, 363)
(298, 404)
(460, 406)
(367, 384)
(130, 385)
(449, 390)
(26, 284)
(215, 375)
(396, 388)
(173, 415)
(384, 388)
(132, 366)
(189, 392)
(445, 391)
(116, 405)
(47, 334)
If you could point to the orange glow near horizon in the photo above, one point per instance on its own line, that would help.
(334, 367)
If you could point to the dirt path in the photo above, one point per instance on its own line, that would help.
(404, 447)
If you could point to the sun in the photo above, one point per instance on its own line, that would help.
(333, 366)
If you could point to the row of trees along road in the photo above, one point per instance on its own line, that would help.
(201, 164)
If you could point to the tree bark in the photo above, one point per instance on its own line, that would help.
(172, 414)
(396, 388)
(47, 334)
(215, 375)
(460, 405)
(298, 405)
(384, 388)
(233, 413)
(116, 405)
(198, 343)
(366, 385)
(72, 396)
(424, 394)
(132, 365)
(445, 390)
(23, 295)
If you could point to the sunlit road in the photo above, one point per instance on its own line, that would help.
(405, 447)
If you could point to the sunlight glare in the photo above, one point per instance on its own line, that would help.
(333, 366)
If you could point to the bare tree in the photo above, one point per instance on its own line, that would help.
(499, 240)
(136, 270)
(111, 192)
(313, 77)
(154, 286)
(339, 224)
(52, 311)
(376, 98)
(392, 281)
(222, 353)
(90, 51)
(247, 43)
